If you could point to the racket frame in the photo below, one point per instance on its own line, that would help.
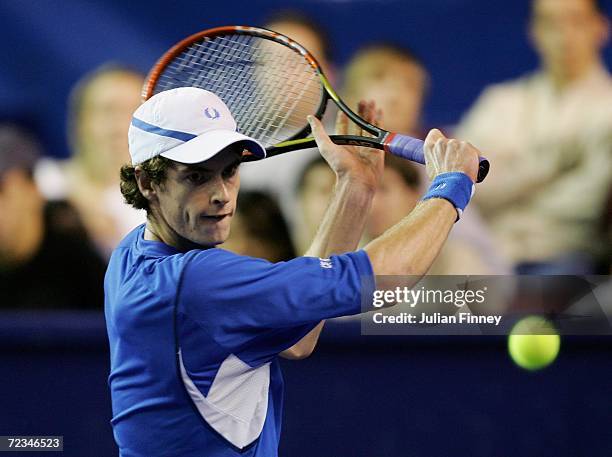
(381, 139)
(299, 140)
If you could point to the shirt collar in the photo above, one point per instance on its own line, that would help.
(152, 248)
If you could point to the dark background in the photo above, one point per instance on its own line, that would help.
(355, 397)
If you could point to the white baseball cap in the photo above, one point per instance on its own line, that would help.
(187, 125)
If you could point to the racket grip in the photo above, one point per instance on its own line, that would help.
(412, 149)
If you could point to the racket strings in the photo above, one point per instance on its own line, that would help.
(281, 102)
(194, 55)
(268, 87)
(186, 61)
(256, 104)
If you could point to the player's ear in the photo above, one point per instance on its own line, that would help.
(145, 184)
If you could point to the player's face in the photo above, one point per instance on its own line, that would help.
(393, 200)
(197, 202)
(568, 34)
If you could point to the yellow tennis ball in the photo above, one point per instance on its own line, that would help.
(533, 343)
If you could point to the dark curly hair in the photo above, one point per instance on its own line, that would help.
(155, 168)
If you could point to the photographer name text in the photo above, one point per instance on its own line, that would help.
(434, 318)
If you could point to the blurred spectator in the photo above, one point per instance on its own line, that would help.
(606, 233)
(548, 136)
(99, 115)
(46, 259)
(259, 229)
(397, 81)
(278, 175)
(303, 29)
(314, 188)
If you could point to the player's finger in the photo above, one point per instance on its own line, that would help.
(432, 137)
(341, 123)
(353, 128)
(430, 141)
(378, 117)
(450, 152)
(433, 149)
(319, 133)
(439, 153)
(364, 113)
(369, 113)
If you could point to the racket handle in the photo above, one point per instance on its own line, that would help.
(412, 149)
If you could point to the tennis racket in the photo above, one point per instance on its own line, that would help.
(270, 84)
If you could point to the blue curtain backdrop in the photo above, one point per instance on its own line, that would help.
(47, 45)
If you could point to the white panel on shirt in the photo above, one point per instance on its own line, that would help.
(237, 402)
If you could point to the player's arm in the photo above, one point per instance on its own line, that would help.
(339, 232)
(358, 171)
(410, 247)
(305, 346)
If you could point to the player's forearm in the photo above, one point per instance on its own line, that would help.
(410, 247)
(339, 232)
(344, 219)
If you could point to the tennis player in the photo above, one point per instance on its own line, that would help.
(195, 331)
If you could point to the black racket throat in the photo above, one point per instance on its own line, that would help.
(303, 140)
(309, 142)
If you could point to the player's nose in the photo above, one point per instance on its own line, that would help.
(220, 195)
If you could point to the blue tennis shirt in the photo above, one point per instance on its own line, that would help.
(194, 338)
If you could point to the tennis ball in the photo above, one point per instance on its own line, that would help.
(533, 343)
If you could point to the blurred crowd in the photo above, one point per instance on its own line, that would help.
(544, 208)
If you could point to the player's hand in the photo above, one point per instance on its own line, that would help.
(358, 163)
(444, 155)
